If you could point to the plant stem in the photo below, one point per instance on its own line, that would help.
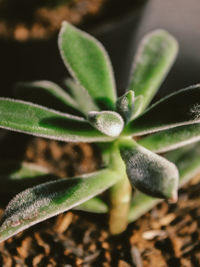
(120, 203)
(121, 192)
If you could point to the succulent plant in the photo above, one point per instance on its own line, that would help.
(128, 132)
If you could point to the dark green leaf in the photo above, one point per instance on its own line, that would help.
(36, 120)
(148, 172)
(88, 63)
(49, 199)
(187, 160)
(177, 109)
(154, 58)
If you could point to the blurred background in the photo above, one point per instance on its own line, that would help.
(28, 37)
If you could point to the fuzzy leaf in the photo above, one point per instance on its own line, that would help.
(49, 199)
(36, 120)
(107, 122)
(148, 172)
(45, 93)
(140, 205)
(88, 63)
(95, 205)
(125, 105)
(20, 170)
(83, 99)
(177, 109)
(187, 160)
(137, 107)
(171, 139)
(16, 176)
(154, 58)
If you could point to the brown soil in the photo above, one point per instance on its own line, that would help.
(169, 235)
(42, 21)
(21, 21)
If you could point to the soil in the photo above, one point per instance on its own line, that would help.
(169, 235)
(40, 19)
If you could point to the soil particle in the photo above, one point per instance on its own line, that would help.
(42, 21)
(38, 20)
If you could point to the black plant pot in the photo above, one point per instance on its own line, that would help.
(40, 59)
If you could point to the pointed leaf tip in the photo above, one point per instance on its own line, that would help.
(149, 172)
(107, 122)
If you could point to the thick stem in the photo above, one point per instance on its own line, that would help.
(120, 193)
(120, 203)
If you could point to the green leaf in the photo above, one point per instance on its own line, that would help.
(45, 93)
(107, 122)
(95, 205)
(137, 107)
(81, 96)
(125, 105)
(187, 160)
(177, 109)
(148, 172)
(16, 176)
(88, 63)
(49, 199)
(140, 205)
(171, 139)
(20, 170)
(36, 120)
(154, 58)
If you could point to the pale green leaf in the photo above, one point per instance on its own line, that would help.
(125, 105)
(16, 176)
(36, 120)
(20, 170)
(88, 63)
(81, 96)
(95, 205)
(187, 160)
(149, 172)
(107, 122)
(154, 58)
(171, 139)
(45, 93)
(137, 107)
(49, 199)
(177, 109)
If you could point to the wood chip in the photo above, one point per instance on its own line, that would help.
(122, 263)
(41, 243)
(63, 222)
(37, 259)
(166, 220)
(136, 257)
(150, 235)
